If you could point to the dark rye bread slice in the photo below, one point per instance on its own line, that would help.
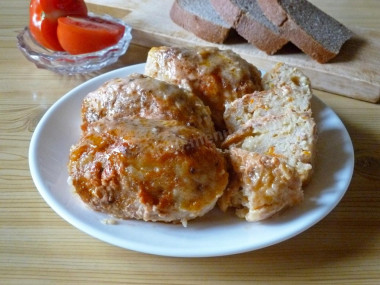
(310, 29)
(200, 18)
(250, 22)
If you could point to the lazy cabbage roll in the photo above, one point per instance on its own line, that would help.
(260, 186)
(216, 76)
(153, 170)
(140, 96)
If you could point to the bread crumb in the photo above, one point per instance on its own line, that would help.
(184, 223)
(109, 222)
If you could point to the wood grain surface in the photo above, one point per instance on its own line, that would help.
(352, 73)
(39, 247)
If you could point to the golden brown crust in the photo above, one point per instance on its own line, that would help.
(140, 96)
(202, 28)
(147, 169)
(216, 76)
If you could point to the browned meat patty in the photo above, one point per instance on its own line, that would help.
(153, 170)
(145, 97)
(216, 76)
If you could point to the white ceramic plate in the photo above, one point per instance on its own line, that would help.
(216, 233)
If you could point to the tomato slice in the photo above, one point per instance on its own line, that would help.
(43, 19)
(84, 35)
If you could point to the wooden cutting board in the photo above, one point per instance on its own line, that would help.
(354, 73)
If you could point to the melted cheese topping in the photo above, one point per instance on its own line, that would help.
(140, 96)
(147, 169)
(216, 76)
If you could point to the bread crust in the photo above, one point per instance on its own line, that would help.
(253, 31)
(202, 28)
(296, 34)
(228, 11)
(259, 36)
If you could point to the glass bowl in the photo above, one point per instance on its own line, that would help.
(65, 63)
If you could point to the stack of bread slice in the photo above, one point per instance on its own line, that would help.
(267, 24)
(199, 17)
(271, 145)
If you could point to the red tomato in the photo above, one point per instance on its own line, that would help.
(43, 19)
(83, 35)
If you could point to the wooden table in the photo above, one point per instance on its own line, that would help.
(37, 246)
